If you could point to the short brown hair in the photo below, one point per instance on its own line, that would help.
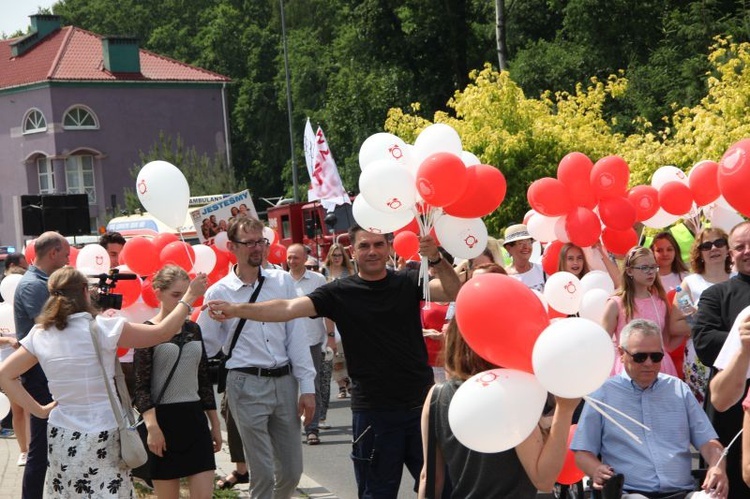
(246, 224)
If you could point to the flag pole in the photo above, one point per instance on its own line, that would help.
(289, 103)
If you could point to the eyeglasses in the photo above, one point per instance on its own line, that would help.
(337, 255)
(640, 357)
(253, 244)
(646, 268)
(707, 245)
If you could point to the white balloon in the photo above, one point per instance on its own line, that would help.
(205, 258)
(666, 174)
(220, 241)
(164, 192)
(496, 410)
(8, 287)
(271, 235)
(469, 158)
(719, 216)
(561, 234)
(563, 291)
(598, 279)
(383, 146)
(376, 221)
(593, 303)
(542, 228)
(536, 252)
(573, 357)
(661, 219)
(4, 405)
(462, 237)
(7, 324)
(388, 187)
(93, 259)
(437, 138)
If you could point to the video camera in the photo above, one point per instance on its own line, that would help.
(103, 295)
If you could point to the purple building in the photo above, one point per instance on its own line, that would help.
(76, 109)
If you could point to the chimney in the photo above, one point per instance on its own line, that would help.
(41, 26)
(121, 54)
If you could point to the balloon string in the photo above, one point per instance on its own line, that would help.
(726, 449)
(614, 409)
(182, 238)
(594, 404)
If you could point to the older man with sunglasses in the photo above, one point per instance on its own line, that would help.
(660, 466)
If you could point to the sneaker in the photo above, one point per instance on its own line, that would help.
(323, 425)
(21, 459)
(7, 433)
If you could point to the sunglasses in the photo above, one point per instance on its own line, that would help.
(640, 357)
(719, 243)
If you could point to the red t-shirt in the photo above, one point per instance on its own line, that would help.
(434, 318)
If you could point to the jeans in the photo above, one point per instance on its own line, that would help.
(35, 383)
(383, 442)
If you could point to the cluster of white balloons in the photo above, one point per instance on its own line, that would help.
(390, 198)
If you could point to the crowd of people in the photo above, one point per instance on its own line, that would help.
(285, 334)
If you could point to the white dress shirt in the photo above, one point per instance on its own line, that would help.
(260, 344)
(315, 329)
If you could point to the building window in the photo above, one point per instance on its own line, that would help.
(80, 118)
(79, 176)
(46, 176)
(34, 122)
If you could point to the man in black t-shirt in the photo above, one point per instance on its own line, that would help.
(377, 314)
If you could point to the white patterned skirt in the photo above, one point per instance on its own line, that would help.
(85, 465)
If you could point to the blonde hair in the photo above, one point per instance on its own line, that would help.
(167, 276)
(627, 288)
(68, 288)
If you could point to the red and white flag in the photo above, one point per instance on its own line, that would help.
(325, 182)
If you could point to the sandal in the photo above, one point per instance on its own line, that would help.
(342, 392)
(313, 439)
(228, 482)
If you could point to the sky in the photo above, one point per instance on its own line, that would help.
(14, 14)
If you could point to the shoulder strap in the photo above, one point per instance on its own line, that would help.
(241, 323)
(116, 408)
(431, 444)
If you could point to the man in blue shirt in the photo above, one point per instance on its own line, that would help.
(660, 465)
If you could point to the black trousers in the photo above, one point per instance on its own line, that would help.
(35, 383)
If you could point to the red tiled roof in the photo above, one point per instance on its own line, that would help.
(75, 54)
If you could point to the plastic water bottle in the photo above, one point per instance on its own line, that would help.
(684, 303)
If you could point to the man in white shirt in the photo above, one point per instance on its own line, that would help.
(305, 281)
(268, 364)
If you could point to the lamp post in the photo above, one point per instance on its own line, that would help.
(289, 102)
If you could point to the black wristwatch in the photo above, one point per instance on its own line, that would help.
(432, 263)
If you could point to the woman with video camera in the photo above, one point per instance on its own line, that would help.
(83, 442)
(176, 398)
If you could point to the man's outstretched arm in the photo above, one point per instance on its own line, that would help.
(267, 311)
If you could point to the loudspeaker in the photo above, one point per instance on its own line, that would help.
(67, 214)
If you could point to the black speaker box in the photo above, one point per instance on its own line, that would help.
(67, 214)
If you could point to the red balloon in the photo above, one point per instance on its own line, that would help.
(221, 268)
(406, 244)
(570, 473)
(500, 318)
(549, 197)
(619, 242)
(122, 351)
(129, 289)
(73, 256)
(645, 200)
(704, 182)
(178, 253)
(617, 213)
(162, 239)
(412, 226)
(441, 178)
(485, 191)
(574, 171)
(676, 198)
(30, 252)
(734, 176)
(277, 254)
(609, 177)
(583, 227)
(551, 257)
(148, 294)
(554, 314)
(140, 255)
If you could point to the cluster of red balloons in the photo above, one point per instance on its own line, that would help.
(443, 180)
